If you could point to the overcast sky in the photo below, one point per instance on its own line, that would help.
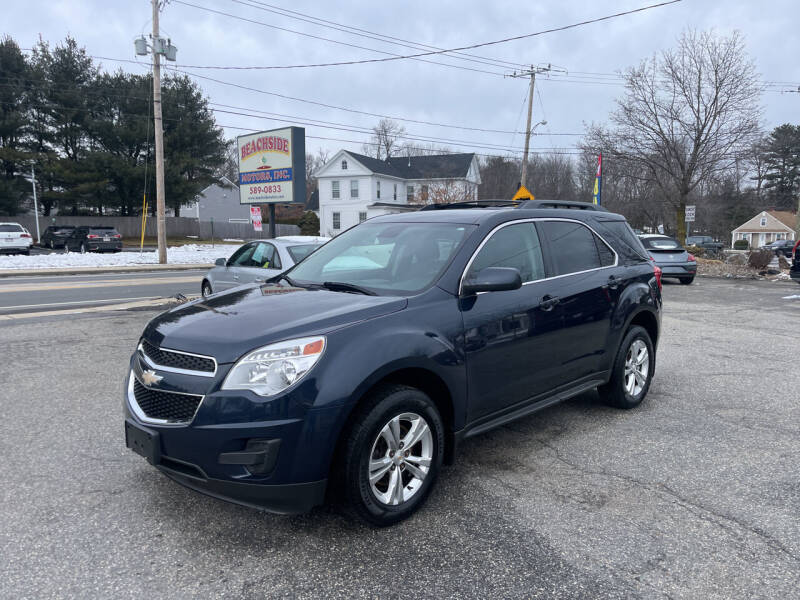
(418, 90)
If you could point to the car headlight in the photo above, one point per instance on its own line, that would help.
(270, 370)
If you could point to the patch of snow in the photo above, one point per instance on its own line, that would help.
(188, 254)
(792, 297)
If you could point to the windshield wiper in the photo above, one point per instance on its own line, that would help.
(341, 286)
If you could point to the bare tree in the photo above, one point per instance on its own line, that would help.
(444, 191)
(385, 140)
(685, 115)
(313, 163)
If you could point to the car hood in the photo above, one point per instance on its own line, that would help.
(228, 325)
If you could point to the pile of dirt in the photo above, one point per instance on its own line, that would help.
(732, 270)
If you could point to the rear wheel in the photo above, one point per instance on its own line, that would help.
(83, 248)
(392, 455)
(52, 245)
(687, 280)
(632, 371)
(205, 289)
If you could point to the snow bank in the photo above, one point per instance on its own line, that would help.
(188, 254)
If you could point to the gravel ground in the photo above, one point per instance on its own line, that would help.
(693, 495)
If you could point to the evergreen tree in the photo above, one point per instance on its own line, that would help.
(14, 79)
(782, 159)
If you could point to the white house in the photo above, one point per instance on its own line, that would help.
(766, 227)
(354, 187)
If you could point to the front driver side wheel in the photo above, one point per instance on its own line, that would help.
(392, 455)
(632, 371)
(205, 289)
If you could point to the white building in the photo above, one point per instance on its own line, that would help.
(354, 187)
(766, 227)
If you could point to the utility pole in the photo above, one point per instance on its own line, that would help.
(161, 220)
(158, 46)
(35, 205)
(532, 72)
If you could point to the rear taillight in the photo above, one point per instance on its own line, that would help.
(657, 273)
(692, 258)
(116, 236)
(794, 250)
(92, 236)
(25, 235)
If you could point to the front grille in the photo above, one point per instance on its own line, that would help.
(177, 360)
(166, 406)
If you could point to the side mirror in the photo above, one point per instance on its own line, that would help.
(492, 279)
(220, 262)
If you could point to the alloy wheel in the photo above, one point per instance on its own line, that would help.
(400, 458)
(637, 368)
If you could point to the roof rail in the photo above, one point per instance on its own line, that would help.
(562, 204)
(471, 204)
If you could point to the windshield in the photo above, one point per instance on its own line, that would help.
(661, 243)
(386, 258)
(298, 253)
(9, 227)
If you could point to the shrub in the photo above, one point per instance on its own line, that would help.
(309, 224)
(741, 245)
(760, 259)
(696, 250)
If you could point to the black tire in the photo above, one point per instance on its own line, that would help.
(52, 245)
(83, 248)
(687, 280)
(205, 289)
(615, 393)
(351, 471)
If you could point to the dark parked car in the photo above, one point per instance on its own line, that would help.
(780, 247)
(794, 270)
(673, 258)
(705, 241)
(93, 239)
(363, 367)
(55, 236)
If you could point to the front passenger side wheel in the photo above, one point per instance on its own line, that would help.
(632, 371)
(205, 289)
(392, 455)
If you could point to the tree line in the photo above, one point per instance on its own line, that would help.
(89, 134)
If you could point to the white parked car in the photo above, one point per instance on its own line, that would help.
(14, 238)
(259, 260)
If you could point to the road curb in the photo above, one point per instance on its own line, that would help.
(99, 270)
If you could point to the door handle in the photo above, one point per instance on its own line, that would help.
(613, 282)
(549, 302)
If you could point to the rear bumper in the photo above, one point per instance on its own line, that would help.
(688, 269)
(103, 246)
(14, 249)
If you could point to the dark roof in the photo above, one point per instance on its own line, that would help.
(436, 166)
(313, 201)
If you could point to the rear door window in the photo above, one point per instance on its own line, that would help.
(516, 246)
(574, 248)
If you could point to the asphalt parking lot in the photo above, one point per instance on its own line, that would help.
(695, 494)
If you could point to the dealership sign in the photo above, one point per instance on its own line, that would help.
(272, 166)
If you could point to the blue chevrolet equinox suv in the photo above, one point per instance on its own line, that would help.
(357, 373)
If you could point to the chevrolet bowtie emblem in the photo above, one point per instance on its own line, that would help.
(149, 377)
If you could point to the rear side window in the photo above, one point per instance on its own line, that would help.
(625, 235)
(298, 253)
(575, 248)
(11, 228)
(515, 246)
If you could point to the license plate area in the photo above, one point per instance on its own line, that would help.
(105, 239)
(143, 441)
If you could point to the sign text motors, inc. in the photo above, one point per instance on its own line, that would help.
(272, 166)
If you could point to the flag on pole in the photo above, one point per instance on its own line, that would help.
(598, 181)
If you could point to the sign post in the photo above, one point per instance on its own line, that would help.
(272, 169)
(689, 218)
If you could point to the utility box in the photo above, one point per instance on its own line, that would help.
(171, 52)
(140, 44)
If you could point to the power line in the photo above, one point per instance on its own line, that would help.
(419, 54)
(292, 14)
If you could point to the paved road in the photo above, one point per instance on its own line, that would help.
(695, 494)
(34, 294)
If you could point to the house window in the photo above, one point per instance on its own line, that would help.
(378, 193)
(763, 221)
(395, 192)
(409, 193)
(362, 216)
(354, 188)
(337, 220)
(344, 165)
(335, 189)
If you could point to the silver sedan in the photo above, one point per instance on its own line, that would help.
(259, 260)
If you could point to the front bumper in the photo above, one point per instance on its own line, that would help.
(273, 457)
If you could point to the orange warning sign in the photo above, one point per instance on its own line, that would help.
(523, 194)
